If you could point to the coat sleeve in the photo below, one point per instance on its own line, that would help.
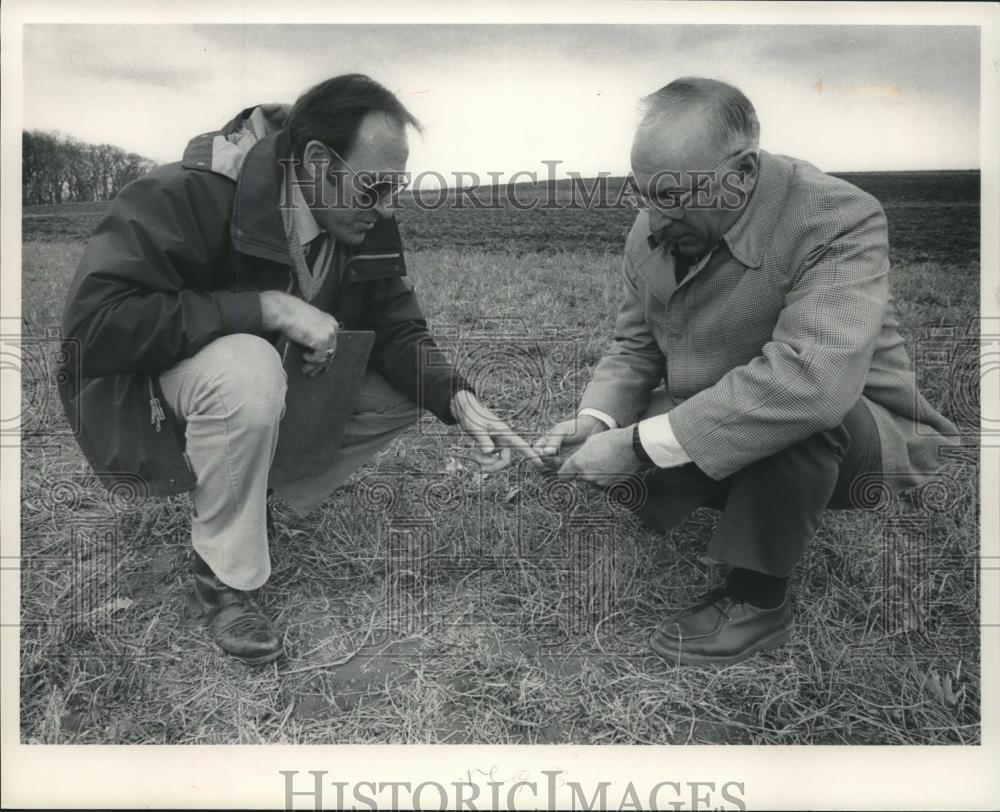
(142, 297)
(406, 354)
(813, 370)
(632, 366)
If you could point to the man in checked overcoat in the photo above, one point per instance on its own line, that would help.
(756, 365)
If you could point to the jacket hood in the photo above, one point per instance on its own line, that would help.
(223, 151)
(248, 150)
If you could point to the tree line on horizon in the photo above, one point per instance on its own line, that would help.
(57, 168)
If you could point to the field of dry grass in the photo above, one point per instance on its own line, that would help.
(426, 603)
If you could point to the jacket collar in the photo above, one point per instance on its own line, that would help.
(749, 235)
(257, 225)
(258, 229)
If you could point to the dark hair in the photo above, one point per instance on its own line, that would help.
(732, 118)
(332, 111)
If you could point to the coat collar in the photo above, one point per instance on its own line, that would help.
(749, 235)
(257, 226)
(258, 229)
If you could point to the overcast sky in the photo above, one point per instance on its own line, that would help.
(505, 98)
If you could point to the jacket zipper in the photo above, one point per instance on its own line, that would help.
(284, 350)
(156, 410)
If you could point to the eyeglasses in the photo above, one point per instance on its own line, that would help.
(674, 202)
(372, 188)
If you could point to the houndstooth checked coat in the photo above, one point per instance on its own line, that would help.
(776, 337)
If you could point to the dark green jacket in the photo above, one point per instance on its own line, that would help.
(179, 260)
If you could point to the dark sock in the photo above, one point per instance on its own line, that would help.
(757, 588)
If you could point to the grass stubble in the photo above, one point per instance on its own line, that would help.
(474, 609)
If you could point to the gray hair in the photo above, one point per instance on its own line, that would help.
(730, 117)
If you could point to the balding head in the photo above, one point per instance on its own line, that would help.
(702, 110)
(694, 158)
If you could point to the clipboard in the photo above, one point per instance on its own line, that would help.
(317, 409)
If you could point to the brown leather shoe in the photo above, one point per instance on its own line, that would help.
(235, 621)
(722, 629)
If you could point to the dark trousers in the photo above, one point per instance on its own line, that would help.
(771, 508)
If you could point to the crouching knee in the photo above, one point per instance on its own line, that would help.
(251, 379)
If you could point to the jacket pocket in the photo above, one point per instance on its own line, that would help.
(126, 429)
(370, 267)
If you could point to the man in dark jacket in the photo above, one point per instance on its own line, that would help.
(276, 230)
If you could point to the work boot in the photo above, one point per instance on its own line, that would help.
(235, 621)
(722, 628)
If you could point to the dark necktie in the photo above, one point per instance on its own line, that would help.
(682, 265)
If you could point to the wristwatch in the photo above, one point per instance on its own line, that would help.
(637, 448)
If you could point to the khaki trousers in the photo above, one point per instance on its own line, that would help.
(231, 397)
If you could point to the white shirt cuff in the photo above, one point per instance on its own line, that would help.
(657, 437)
(605, 418)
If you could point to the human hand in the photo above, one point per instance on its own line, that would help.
(303, 324)
(568, 434)
(489, 433)
(604, 458)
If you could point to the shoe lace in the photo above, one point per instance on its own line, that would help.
(720, 599)
(246, 626)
